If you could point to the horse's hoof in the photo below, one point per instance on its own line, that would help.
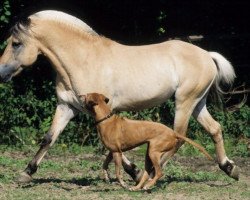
(235, 172)
(24, 178)
(231, 170)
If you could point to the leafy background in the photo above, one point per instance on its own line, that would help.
(27, 104)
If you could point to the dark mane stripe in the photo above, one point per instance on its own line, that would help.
(21, 26)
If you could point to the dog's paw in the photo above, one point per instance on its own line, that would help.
(147, 189)
(123, 184)
(134, 188)
(105, 177)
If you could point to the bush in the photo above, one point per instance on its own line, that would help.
(27, 108)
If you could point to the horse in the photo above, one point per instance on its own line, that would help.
(132, 77)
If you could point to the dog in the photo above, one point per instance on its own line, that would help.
(120, 134)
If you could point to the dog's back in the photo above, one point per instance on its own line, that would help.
(121, 134)
(127, 133)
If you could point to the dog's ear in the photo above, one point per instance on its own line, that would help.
(92, 103)
(102, 98)
(91, 100)
(106, 100)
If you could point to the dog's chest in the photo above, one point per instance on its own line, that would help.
(110, 140)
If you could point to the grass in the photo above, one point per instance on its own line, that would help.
(74, 173)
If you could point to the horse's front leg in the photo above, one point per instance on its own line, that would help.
(64, 113)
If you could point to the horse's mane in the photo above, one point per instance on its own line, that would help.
(64, 18)
(22, 26)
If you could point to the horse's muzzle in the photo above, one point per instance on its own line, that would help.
(6, 72)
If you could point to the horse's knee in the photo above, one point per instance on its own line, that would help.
(216, 132)
(46, 140)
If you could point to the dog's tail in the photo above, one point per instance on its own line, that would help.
(198, 146)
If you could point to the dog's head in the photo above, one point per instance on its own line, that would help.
(93, 99)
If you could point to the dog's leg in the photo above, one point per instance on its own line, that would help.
(106, 165)
(118, 162)
(145, 176)
(155, 158)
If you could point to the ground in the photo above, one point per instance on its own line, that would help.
(68, 175)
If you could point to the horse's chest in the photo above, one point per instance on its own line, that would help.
(70, 98)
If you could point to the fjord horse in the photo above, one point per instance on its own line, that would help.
(132, 77)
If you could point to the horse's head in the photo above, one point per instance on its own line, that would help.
(32, 36)
(21, 51)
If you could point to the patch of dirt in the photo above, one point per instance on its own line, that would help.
(199, 164)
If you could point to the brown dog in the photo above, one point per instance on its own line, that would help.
(121, 134)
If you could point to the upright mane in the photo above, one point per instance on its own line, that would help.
(64, 18)
(20, 27)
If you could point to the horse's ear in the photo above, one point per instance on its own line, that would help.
(83, 97)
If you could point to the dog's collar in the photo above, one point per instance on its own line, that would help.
(101, 120)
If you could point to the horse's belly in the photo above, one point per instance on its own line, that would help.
(143, 96)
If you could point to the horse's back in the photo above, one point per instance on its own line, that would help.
(150, 74)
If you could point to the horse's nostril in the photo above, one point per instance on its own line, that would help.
(6, 72)
(5, 78)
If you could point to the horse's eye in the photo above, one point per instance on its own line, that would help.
(15, 45)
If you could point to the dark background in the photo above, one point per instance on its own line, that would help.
(223, 24)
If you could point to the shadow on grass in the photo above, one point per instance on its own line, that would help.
(80, 182)
(110, 186)
(212, 183)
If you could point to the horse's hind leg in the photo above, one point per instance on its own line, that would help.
(214, 128)
(183, 111)
(62, 116)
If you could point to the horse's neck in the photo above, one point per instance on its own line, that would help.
(67, 56)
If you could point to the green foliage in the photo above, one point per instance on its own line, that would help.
(5, 14)
(26, 115)
(161, 20)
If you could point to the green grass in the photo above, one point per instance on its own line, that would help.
(74, 173)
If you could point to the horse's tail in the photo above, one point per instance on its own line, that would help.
(202, 149)
(226, 74)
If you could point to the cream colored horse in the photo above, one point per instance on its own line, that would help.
(132, 77)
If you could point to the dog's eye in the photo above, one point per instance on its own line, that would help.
(16, 45)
